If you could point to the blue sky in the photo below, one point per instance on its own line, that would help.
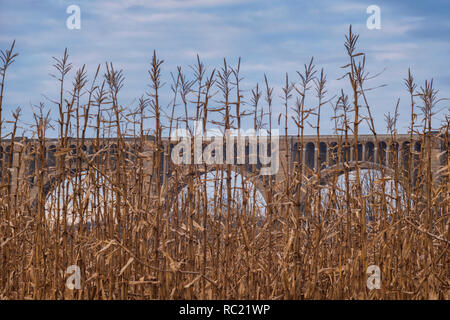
(271, 37)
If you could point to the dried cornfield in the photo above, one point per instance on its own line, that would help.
(103, 196)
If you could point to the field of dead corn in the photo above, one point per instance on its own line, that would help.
(137, 232)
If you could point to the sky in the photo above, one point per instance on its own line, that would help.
(271, 37)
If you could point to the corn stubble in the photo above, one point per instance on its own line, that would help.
(133, 237)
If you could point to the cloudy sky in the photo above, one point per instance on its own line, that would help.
(271, 37)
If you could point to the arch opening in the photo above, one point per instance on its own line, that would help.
(209, 192)
(377, 190)
(310, 155)
(370, 152)
(79, 199)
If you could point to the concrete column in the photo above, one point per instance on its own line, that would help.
(316, 159)
(375, 154)
(363, 156)
(303, 156)
(328, 158)
(389, 155)
(14, 170)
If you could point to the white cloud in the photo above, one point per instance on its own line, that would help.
(347, 7)
(395, 51)
(165, 4)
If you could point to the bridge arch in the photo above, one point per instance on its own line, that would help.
(91, 197)
(177, 182)
(333, 181)
(339, 169)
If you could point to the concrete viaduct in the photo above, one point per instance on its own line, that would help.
(18, 159)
